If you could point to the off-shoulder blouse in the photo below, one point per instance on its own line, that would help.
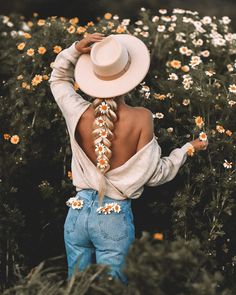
(146, 167)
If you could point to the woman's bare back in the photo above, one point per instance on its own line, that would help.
(133, 130)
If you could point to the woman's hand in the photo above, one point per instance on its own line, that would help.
(199, 144)
(83, 45)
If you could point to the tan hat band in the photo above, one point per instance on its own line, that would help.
(107, 78)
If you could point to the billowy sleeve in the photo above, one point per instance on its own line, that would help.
(61, 81)
(167, 167)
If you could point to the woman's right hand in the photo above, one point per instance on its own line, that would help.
(199, 144)
(83, 45)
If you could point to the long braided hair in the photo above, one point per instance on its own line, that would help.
(103, 126)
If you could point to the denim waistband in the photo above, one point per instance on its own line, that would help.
(92, 195)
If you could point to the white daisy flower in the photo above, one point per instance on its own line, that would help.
(173, 76)
(232, 88)
(155, 18)
(159, 115)
(203, 136)
(227, 164)
(205, 53)
(100, 121)
(116, 208)
(78, 204)
(206, 20)
(162, 11)
(100, 148)
(104, 107)
(102, 163)
(161, 28)
(186, 102)
(103, 133)
(231, 102)
(69, 202)
(195, 61)
(210, 73)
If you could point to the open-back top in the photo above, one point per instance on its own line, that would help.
(146, 167)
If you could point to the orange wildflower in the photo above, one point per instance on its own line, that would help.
(228, 132)
(42, 50)
(41, 22)
(80, 30)
(74, 20)
(90, 24)
(158, 236)
(199, 121)
(27, 35)
(220, 129)
(69, 174)
(159, 96)
(107, 15)
(15, 139)
(76, 86)
(6, 136)
(45, 77)
(71, 29)
(30, 52)
(21, 46)
(191, 151)
(36, 80)
(176, 64)
(120, 29)
(57, 49)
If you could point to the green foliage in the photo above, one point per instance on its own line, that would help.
(191, 80)
(153, 267)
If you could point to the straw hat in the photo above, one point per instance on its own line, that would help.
(113, 67)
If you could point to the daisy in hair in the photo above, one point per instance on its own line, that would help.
(100, 148)
(203, 136)
(102, 163)
(104, 107)
(103, 133)
(100, 122)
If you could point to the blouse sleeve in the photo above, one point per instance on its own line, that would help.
(167, 167)
(61, 82)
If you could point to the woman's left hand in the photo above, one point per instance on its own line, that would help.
(83, 45)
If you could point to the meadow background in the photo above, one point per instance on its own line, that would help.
(185, 229)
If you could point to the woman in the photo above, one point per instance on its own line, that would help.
(114, 149)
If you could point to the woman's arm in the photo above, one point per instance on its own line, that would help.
(168, 166)
(62, 86)
(72, 104)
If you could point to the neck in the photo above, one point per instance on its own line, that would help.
(120, 100)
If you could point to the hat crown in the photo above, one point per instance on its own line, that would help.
(109, 57)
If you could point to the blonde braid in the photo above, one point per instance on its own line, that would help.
(105, 117)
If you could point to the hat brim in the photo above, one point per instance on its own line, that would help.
(90, 84)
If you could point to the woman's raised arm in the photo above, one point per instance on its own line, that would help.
(62, 80)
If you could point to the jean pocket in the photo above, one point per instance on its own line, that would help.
(71, 218)
(113, 226)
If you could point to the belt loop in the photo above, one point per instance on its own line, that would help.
(94, 193)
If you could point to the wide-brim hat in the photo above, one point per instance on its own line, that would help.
(114, 66)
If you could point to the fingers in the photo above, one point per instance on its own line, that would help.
(204, 145)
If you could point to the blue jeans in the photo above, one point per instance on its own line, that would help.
(93, 237)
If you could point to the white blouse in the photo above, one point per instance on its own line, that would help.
(146, 167)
